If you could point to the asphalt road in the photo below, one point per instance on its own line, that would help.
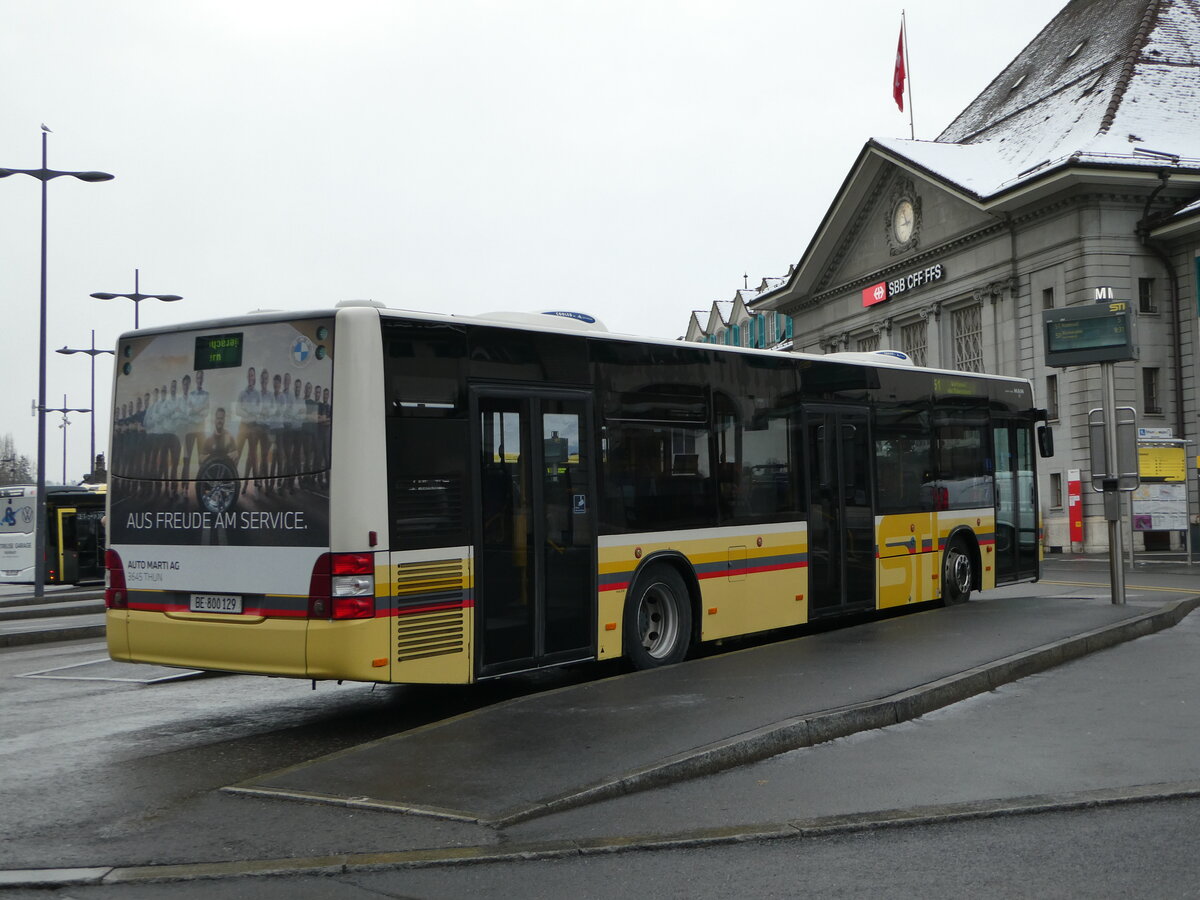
(106, 761)
(1079, 781)
(1124, 851)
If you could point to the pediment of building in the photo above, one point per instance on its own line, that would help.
(898, 216)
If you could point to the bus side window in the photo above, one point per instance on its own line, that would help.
(902, 457)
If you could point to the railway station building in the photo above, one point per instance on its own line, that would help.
(1074, 174)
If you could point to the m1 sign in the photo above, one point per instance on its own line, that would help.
(876, 293)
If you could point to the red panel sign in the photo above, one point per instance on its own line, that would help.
(876, 293)
(1075, 505)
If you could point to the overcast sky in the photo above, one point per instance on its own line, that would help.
(628, 159)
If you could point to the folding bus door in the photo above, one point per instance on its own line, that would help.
(1017, 555)
(841, 518)
(535, 584)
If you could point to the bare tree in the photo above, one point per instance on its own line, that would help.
(14, 467)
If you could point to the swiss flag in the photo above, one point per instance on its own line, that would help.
(898, 76)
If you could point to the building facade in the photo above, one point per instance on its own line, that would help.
(1077, 169)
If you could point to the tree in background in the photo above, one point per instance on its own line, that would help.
(14, 468)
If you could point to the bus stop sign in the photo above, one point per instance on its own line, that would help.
(1079, 335)
(1124, 469)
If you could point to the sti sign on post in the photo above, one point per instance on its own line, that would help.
(1101, 333)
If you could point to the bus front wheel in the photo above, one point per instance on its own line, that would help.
(658, 619)
(957, 574)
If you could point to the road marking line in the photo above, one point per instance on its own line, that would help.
(1136, 587)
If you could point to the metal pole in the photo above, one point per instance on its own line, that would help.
(1132, 561)
(39, 528)
(64, 430)
(912, 129)
(137, 291)
(92, 458)
(1115, 562)
(44, 174)
(1187, 497)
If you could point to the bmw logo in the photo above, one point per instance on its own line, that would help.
(302, 351)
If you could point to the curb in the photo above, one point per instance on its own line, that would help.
(57, 610)
(47, 635)
(817, 728)
(66, 595)
(741, 749)
(347, 863)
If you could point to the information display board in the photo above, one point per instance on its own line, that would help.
(1080, 335)
(1160, 502)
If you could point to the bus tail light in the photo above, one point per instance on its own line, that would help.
(342, 587)
(116, 596)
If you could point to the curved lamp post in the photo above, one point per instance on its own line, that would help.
(93, 352)
(64, 409)
(44, 175)
(137, 297)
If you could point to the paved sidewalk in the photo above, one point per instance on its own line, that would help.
(547, 752)
(65, 612)
(699, 753)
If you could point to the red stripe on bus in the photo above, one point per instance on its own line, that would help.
(724, 573)
(750, 570)
(437, 607)
(779, 567)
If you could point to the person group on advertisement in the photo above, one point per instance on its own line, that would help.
(280, 443)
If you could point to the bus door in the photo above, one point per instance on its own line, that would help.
(841, 519)
(535, 555)
(89, 544)
(1016, 500)
(63, 547)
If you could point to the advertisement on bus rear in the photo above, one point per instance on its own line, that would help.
(17, 515)
(222, 437)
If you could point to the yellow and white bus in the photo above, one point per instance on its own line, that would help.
(74, 533)
(379, 495)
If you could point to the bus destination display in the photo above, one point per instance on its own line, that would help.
(1087, 334)
(219, 351)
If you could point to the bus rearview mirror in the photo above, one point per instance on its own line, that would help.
(1045, 439)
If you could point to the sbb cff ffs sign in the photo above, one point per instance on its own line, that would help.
(877, 293)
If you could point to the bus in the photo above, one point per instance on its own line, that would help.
(380, 495)
(75, 537)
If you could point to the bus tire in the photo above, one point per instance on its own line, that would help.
(658, 618)
(958, 574)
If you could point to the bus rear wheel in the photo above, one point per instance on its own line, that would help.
(658, 619)
(958, 574)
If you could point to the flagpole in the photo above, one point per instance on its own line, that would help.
(912, 132)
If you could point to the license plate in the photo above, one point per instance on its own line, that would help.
(219, 603)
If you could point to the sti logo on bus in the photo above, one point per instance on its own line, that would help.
(876, 293)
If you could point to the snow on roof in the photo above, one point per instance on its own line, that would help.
(1104, 83)
(1190, 209)
(746, 295)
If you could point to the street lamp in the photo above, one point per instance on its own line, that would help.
(137, 297)
(93, 353)
(64, 409)
(44, 175)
